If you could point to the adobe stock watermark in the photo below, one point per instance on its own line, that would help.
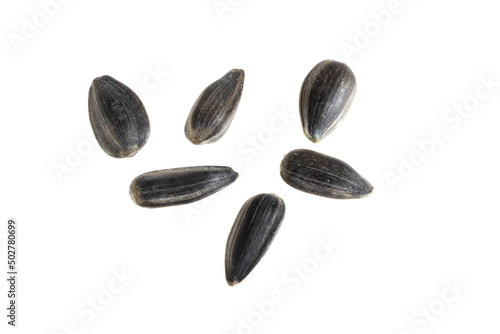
(453, 119)
(75, 155)
(222, 7)
(88, 310)
(420, 320)
(365, 34)
(250, 147)
(153, 79)
(32, 25)
(247, 151)
(292, 280)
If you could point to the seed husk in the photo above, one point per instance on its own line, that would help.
(251, 235)
(214, 110)
(177, 186)
(325, 97)
(118, 117)
(322, 175)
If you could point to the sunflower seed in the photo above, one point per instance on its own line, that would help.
(253, 232)
(215, 108)
(118, 118)
(325, 98)
(319, 174)
(179, 185)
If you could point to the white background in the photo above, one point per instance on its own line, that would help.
(398, 247)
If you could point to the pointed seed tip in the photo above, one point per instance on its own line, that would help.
(232, 283)
(314, 139)
(195, 141)
(311, 137)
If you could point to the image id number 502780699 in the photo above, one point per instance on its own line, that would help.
(11, 271)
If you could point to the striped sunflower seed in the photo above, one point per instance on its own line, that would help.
(251, 235)
(325, 98)
(215, 108)
(322, 175)
(179, 185)
(118, 117)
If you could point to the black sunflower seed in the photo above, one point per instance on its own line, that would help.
(319, 174)
(118, 117)
(215, 108)
(179, 185)
(251, 235)
(325, 98)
